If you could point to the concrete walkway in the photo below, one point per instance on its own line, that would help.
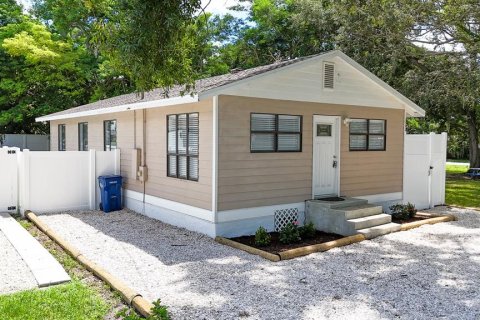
(45, 269)
(14, 273)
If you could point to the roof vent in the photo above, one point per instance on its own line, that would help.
(328, 75)
(235, 70)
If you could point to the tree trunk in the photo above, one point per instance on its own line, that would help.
(473, 139)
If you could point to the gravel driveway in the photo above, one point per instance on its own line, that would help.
(424, 273)
(14, 273)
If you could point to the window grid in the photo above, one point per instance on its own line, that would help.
(276, 133)
(187, 153)
(368, 134)
(61, 138)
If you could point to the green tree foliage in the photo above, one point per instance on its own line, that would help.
(39, 74)
(147, 40)
(452, 29)
(85, 50)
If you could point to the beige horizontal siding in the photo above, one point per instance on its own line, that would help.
(130, 135)
(259, 179)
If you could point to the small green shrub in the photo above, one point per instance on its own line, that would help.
(159, 312)
(308, 231)
(290, 233)
(403, 211)
(262, 237)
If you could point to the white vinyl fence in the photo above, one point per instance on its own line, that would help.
(44, 181)
(424, 169)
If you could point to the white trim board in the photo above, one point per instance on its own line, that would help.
(196, 212)
(215, 157)
(382, 197)
(255, 212)
(124, 107)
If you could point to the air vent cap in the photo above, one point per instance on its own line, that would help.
(328, 75)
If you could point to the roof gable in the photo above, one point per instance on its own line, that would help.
(298, 79)
(303, 81)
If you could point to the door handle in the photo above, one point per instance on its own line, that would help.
(334, 163)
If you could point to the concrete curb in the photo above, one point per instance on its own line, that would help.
(130, 296)
(237, 245)
(434, 219)
(292, 253)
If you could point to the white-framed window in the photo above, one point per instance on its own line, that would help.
(83, 136)
(61, 138)
(109, 135)
(368, 134)
(275, 133)
(182, 146)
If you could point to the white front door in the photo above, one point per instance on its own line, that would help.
(326, 155)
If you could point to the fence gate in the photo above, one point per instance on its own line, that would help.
(424, 169)
(8, 179)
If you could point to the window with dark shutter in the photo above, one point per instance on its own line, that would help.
(367, 135)
(275, 133)
(182, 146)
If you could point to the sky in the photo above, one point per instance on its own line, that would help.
(216, 6)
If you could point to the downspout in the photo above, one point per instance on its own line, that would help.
(135, 129)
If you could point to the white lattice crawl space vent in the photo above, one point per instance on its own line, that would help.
(328, 75)
(284, 217)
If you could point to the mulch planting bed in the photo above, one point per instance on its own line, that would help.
(276, 246)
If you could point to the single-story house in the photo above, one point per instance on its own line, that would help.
(223, 159)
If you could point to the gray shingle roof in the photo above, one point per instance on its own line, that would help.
(201, 85)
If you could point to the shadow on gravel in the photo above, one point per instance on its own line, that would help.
(418, 274)
(168, 243)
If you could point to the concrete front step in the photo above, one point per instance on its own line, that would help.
(359, 211)
(370, 221)
(381, 230)
(348, 202)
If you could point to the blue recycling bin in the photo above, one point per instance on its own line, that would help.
(111, 192)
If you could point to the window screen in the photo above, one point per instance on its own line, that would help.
(109, 135)
(182, 146)
(83, 136)
(61, 138)
(275, 133)
(367, 135)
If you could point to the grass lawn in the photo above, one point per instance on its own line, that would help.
(73, 301)
(459, 190)
(85, 297)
